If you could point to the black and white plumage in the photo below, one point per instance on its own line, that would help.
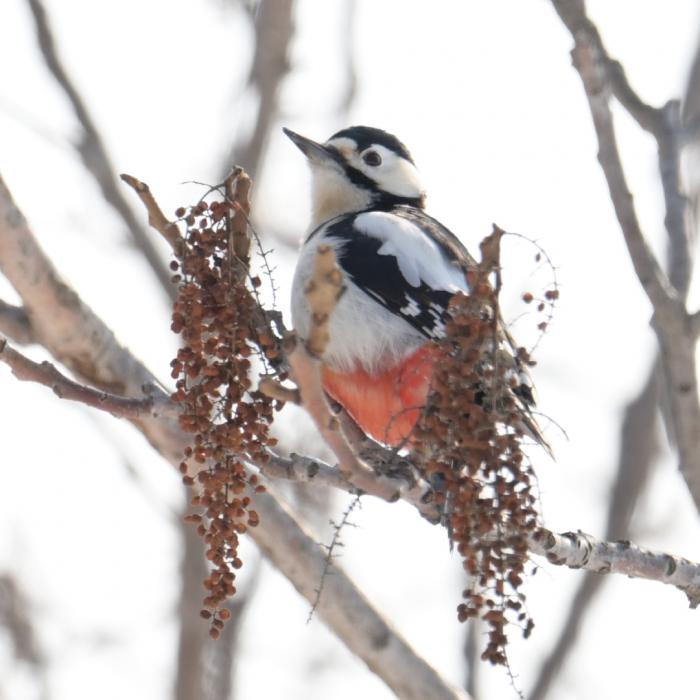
(401, 266)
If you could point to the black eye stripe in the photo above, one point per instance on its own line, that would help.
(372, 158)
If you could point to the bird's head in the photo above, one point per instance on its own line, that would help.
(359, 168)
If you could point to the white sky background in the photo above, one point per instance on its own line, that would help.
(484, 95)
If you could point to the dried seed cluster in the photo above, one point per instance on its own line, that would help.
(229, 420)
(469, 444)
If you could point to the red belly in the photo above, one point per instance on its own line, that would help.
(385, 405)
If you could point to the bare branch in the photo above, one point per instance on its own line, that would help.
(272, 388)
(93, 151)
(67, 327)
(574, 550)
(573, 14)
(309, 470)
(13, 617)
(577, 550)
(637, 452)
(193, 635)
(691, 101)
(45, 373)
(591, 63)
(472, 655)
(14, 323)
(670, 320)
(156, 219)
(694, 323)
(274, 28)
(305, 470)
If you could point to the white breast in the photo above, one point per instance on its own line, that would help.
(362, 332)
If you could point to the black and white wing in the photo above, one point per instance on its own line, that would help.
(405, 260)
(412, 265)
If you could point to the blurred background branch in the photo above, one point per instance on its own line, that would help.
(602, 76)
(273, 31)
(639, 448)
(92, 151)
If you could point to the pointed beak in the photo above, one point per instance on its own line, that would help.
(315, 152)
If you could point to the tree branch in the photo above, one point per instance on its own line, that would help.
(306, 372)
(14, 617)
(591, 62)
(67, 327)
(673, 325)
(274, 29)
(577, 550)
(156, 219)
(637, 452)
(14, 323)
(305, 470)
(26, 370)
(568, 549)
(93, 152)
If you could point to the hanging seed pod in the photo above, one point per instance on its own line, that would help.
(213, 314)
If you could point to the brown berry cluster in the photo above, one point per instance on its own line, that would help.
(228, 418)
(469, 444)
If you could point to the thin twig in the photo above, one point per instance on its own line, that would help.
(47, 374)
(272, 388)
(330, 552)
(156, 218)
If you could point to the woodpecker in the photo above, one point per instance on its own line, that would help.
(400, 269)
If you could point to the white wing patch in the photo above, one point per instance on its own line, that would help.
(411, 309)
(418, 257)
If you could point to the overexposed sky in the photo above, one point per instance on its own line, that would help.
(484, 96)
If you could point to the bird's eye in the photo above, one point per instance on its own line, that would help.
(372, 158)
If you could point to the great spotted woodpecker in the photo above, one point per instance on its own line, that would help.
(400, 267)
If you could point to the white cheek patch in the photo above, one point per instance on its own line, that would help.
(395, 175)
